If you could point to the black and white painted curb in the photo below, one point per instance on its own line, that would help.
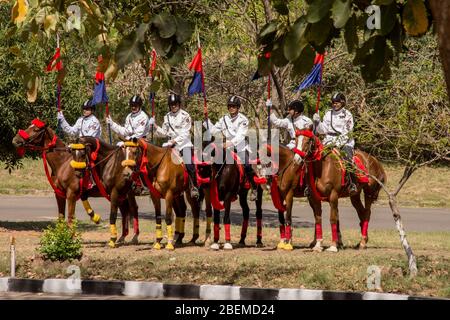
(183, 291)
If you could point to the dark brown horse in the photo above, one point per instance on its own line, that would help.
(164, 174)
(327, 182)
(104, 162)
(66, 183)
(227, 184)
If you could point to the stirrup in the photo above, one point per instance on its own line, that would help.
(352, 189)
(307, 192)
(194, 192)
(253, 195)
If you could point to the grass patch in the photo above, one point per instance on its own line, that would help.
(247, 266)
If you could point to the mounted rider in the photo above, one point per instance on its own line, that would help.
(86, 125)
(137, 123)
(337, 125)
(234, 126)
(176, 126)
(295, 120)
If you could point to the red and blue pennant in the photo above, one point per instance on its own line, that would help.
(100, 95)
(315, 76)
(196, 85)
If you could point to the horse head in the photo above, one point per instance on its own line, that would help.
(79, 157)
(132, 151)
(310, 145)
(36, 137)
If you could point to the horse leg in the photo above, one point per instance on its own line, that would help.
(368, 200)
(113, 220)
(259, 243)
(134, 209)
(87, 207)
(124, 210)
(227, 224)
(159, 236)
(180, 220)
(316, 206)
(209, 214)
(215, 244)
(289, 203)
(169, 217)
(195, 208)
(282, 229)
(245, 214)
(71, 202)
(334, 218)
(61, 202)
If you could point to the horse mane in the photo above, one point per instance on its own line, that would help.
(93, 141)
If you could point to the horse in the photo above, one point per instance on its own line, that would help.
(104, 162)
(164, 174)
(286, 184)
(227, 183)
(66, 183)
(326, 178)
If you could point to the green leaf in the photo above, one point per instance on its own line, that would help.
(129, 50)
(351, 35)
(317, 10)
(264, 65)
(165, 24)
(388, 18)
(267, 33)
(415, 18)
(155, 86)
(162, 46)
(304, 63)
(141, 30)
(277, 54)
(184, 30)
(295, 40)
(318, 33)
(382, 2)
(177, 56)
(341, 12)
(281, 7)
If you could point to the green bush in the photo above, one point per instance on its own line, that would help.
(61, 242)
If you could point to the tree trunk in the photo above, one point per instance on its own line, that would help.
(441, 16)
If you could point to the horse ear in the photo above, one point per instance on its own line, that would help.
(135, 140)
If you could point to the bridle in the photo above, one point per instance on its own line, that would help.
(31, 144)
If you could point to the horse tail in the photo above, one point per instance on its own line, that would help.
(376, 169)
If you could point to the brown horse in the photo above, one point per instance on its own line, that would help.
(66, 183)
(104, 162)
(326, 178)
(286, 184)
(164, 174)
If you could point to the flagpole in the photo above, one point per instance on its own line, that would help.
(269, 133)
(205, 105)
(152, 94)
(58, 90)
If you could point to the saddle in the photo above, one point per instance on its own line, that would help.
(362, 177)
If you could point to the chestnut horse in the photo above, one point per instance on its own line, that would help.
(327, 182)
(286, 184)
(227, 183)
(66, 183)
(163, 172)
(104, 162)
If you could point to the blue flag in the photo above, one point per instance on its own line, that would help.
(99, 95)
(315, 76)
(196, 85)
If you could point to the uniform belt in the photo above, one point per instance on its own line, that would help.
(333, 134)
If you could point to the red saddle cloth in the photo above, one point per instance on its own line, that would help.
(362, 177)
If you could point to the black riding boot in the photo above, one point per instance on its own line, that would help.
(193, 179)
(351, 177)
(249, 173)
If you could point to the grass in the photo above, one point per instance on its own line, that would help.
(247, 266)
(426, 188)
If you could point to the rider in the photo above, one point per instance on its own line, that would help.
(235, 126)
(294, 121)
(177, 125)
(137, 124)
(86, 126)
(337, 125)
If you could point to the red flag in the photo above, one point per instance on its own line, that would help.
(153, 65)
(197, 61)
(55, 63)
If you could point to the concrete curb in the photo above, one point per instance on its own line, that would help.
(185, 291)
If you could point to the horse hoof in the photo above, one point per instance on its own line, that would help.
(178, 242)
(96, 218)
(157, 246)
(207, 242)
(259, 244)
(121, 240)
(281, 245)
(227, 246)
(361, 246)
(313, 244)
(332, 249)
(215, 246)
(242, 243)
(170, 246)
(135, 239)
(112, 244)
(288, 247)
(317, 248)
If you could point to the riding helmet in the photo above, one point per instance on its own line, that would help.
(338, 97)
(173, 99)
(136, 100)
(234, 101)
(88, 105)
(296, 105)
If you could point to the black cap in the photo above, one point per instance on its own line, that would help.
(234, 101)
(173, 99)
(136, 100)
(88, 104)
(296, 105)
(338, 97)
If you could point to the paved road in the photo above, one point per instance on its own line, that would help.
(24, 208)
(49, 296)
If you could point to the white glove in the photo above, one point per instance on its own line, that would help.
(297, 159)
(167, 144)
(59, 115)
(151, 121)
(120, 144)
(109, 120)
(316, 117)
(269, 103)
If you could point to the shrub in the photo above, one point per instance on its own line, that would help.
(61, 242)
